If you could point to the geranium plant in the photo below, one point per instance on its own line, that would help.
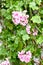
(21, 32)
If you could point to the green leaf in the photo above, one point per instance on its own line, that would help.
(25, 37)
(16, 43)
(3, 11)
(8, 25)
(14, 55)
(41, 11)
(20, 46)
(39, 40)
(18, 5)
(2, 51)
(38, 2)
(29, 63)
(33, 6)
(6, 13)
(36, 19)
(42, 61)
(22, 32)
(8, 16)
(42, 22)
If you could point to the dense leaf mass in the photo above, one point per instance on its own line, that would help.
(21, 29)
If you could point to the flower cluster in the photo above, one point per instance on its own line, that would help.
(6, 62)
(25, 57)
(28, 29)
(20, 18)
(35, 31)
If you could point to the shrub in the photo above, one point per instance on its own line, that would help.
(21, 29)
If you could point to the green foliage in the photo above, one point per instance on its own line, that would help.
(38, 2)
(15, 38)
(25, 37)
(36, 19)
(39, 40)
(33, 6)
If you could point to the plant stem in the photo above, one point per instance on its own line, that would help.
(38, 29)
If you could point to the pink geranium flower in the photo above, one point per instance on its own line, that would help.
(28, 29)
(27, 58)
(21, 55)
(15, 14)
(15, 17)
(6, 62)
(24, 57)
(24, 20)
(20, 18)
(29, 53)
